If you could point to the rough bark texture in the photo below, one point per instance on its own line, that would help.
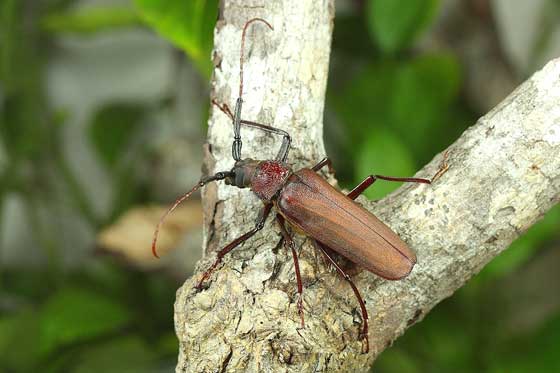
(504, 175)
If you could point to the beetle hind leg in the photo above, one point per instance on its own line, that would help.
(324, 162)
(289, 242)
(368, 181)
(360, 188)
(364, 334)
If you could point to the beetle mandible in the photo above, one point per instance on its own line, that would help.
(331, 219)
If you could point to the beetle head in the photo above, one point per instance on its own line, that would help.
(243, 172)
(265, 178)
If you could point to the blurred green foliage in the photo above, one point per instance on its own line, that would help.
(396, 106)
(74, 314)
(395, 24)
(387, 98)
(103, 318)
(187, 24)
(94, 318)
(89, 21)
(112, 137)
(112, 132)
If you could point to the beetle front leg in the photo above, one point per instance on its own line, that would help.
(289, 242)
(263, 215)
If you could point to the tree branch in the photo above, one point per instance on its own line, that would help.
(504, 175)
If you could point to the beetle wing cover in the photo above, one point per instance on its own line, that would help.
(311, 204)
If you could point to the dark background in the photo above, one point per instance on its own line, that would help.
(103, 108)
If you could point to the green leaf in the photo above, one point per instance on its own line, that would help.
(89, 21)
(75, 315)
(384, 154)
(112, 129)
(395, 24)
(187, 24)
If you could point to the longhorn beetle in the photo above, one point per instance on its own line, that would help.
(332, 220)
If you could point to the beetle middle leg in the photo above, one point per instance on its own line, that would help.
(289, 242)
(263, 215)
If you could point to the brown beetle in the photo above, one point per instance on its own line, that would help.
(306, 201)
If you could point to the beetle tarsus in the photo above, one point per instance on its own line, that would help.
(368, 181)
(300, 309)
(444, 166)
(223, 107)
(365, 345)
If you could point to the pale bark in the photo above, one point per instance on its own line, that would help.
(504, 175)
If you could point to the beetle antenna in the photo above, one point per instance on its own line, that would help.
(242, 56)
(203, 181)
(236, 147)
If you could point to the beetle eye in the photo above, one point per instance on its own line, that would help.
(230, 179)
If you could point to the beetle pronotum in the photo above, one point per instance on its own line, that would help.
(332, 220)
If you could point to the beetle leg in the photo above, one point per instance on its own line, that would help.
(286, 139)
(351, 268)
(373, 178)
(232, 245)
(324, 162)
(444, 166)
(360, 188)
(289, 242)
(224, 108)
(364, 333)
